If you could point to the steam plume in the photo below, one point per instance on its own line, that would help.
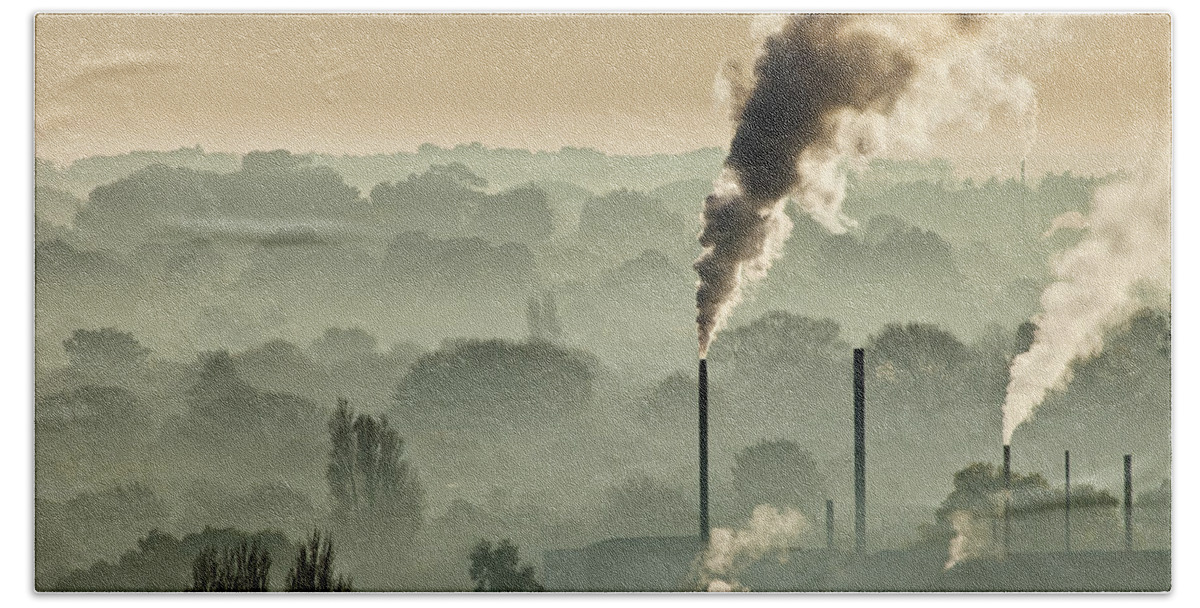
(769, 530)
(827, 88)
(972, 538)
(1124, 257)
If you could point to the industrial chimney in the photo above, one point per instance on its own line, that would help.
(1129, 502)
(860, 454)
(1067, 502)
(829, 524)
(703, 399)
(1007, 497)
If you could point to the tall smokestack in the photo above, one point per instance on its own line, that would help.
(829, 524)
(1007, 497)
(1067, 503)
(860, 454)
(704, 450)
(1129, 502)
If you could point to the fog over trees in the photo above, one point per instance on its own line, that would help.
(437, 358)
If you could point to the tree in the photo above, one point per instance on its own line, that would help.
(244, 568)
(340, 473)
(1035, 509)
(108, 409)
(520, 214)
(437, 201)
(623, 220)
(496, 383)
(919, 351)
(542, 319)
(644, 506)
(779, 341)
(313, 569)
(778, 473)
(162, 562)
(105, 352)
(498, 568)
(367, 475)
(419, 259)
(341, 344)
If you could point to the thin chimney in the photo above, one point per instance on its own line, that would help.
(1067, 503)
(1129, 502)
(1007, 497)
(829, 524)
(860, 454)
(703, 398)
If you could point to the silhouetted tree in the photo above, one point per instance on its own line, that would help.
(313, 570)
(244, 568)
(778, 473)
(498, 568)
(497, 382)
(161, 562)
(366, 474)
(105, 352)
(919, 351)
(340, 472)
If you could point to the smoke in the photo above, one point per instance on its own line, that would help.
(827, 89)
(1123, 260)
(729, 551)
(973, 538)
(1071, 220)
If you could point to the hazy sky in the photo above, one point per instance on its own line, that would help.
(642, 84)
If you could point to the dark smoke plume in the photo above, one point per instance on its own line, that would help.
(827, 88)
(811, 69)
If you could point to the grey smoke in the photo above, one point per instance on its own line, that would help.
(826, 88)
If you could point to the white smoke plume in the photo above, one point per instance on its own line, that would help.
(827, 89)
(973, 537)
(1071, 220)
(730, 551)
(1123, 259)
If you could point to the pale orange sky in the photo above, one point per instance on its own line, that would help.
(624, 84)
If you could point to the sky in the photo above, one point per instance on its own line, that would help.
(108, 84)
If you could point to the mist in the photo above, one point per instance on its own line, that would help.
(518, 340)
